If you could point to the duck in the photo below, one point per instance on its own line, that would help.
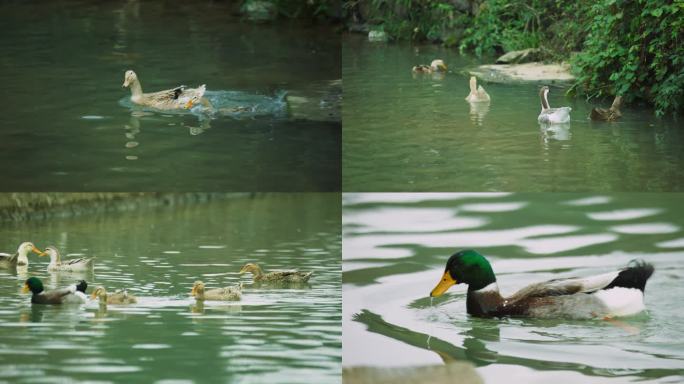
(180, 97)
(80, 264)
(73, 294)
(613, 294)
(118, 297)
(216, 294)
(477, 94)
(610, 114)
(436, 65)
(20, 257)
(291, 276)
(552, 115)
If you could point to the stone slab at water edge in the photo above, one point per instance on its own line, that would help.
(522, 73)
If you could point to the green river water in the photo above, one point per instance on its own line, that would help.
(396, 246)
(417, 133)
(274, 334)
(66, 125)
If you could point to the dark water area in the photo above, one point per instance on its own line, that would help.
(64, 127)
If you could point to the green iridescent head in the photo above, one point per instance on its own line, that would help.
(467, 267)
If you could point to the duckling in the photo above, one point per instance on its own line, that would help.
(73, 265)
(612, 294)
(216, 294)
(551, 115)
(283, 276)
(477, 94)
(20, 257)
(73, 294)
(118, 297)
(437, 65)
(180, 97)
(610, 114)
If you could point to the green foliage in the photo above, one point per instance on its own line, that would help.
(635, 49)
(414, 19)
(504, 26)
(500, 26)
(304, 9)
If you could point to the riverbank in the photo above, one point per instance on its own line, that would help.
(15, 207)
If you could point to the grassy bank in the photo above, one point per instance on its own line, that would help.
(632, 48)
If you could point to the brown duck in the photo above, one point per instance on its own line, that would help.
(610, 114)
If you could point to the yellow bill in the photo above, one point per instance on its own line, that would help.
(443, 285)
(25, 289)
(36, 250)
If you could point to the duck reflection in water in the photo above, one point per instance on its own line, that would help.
(478, 112)
(558, 132)
(474, 348)
(199, 308)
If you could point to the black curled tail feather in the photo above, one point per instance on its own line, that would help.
(634, 275)
(82, 286)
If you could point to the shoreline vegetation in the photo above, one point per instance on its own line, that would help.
(613, 47)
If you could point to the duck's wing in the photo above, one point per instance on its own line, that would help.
(6, 258)
(568, 286)
(167, 94)
(55, 296)
(80, 260)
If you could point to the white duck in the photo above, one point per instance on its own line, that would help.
(81, 264)
(551, 115)
(477, 94)
(19, 258)
(176, 98)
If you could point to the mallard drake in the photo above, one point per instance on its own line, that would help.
(610, 114)
(617, 293)
(216, 294)
(118, 297)
(283, 276)
(20, 257)
(551, 115)
(477, 94)
(80, 264)
(436, 66)
(73, 294)
(180, 97)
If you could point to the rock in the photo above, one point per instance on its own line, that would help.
(377, 36)
(521, 73)
(259, 10)
(453, 372)
(521, 56)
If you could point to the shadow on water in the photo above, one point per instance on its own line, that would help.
(478, 333)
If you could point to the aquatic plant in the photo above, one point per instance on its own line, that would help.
(635, 49)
